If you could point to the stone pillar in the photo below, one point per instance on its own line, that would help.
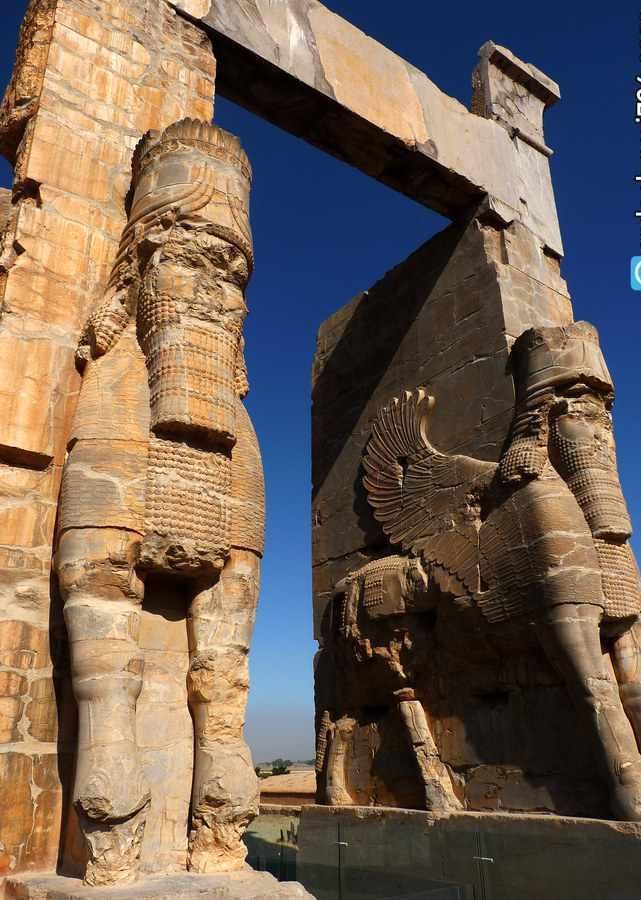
(91, 77)
(162, 499)
(444, 319)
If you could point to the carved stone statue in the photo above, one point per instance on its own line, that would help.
(533, 549)
(163, 480)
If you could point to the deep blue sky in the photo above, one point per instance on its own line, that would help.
(323, 232)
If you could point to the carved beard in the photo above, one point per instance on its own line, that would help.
(582, 450)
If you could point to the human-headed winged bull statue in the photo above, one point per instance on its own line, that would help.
(538, 541)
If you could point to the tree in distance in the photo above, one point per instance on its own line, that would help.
(281, 766)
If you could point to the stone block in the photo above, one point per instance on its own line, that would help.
(27, 419)
(513, 93)
(5, 207)
(23, 646)
(246, 885)
(30, 808)
(311, 72)
(495, 855)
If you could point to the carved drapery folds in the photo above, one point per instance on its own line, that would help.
(535, 546)
(164, 477)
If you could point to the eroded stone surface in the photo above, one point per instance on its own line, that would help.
(90, 78)
(233, 886)
(459, 302)
(501, 567)
(364, 104)
(163, 493)
(162, 499)
(513, 93)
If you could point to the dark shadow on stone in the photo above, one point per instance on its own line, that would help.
(348, 376)
(72, 856)
(517, 716)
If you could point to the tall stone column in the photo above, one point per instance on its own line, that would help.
(163, 485)
(90, 79)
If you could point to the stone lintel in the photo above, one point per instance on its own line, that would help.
(307, 70)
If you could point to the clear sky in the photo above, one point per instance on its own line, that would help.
(323, 232)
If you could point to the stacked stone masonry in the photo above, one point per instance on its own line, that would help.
(90, 79)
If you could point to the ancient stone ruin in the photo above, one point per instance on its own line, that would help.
(162, 498)
(475, 595)
(506, 570)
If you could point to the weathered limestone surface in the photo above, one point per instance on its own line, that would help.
(483, 582)
(438, 650)
(502, 856)
(162, 501)
(458, 303)
(5, 208)
(502, 594)
(230, 886)
(514, 93)
(309, 71)
(90, 78)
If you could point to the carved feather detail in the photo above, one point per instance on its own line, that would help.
(425, 500)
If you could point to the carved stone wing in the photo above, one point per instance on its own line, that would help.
(426, 501)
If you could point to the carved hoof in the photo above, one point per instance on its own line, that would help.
(626, 800)
(335, 797)
(225, 800)
(114, 849)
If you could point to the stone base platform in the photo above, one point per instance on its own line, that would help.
(391, 854)
(245, 885)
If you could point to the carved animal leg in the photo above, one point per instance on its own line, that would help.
(102, 612)
(626, 659)
(225, 791)
(439, 794)
(570, 636)
(337, 793)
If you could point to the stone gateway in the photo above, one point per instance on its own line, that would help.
(476, 600)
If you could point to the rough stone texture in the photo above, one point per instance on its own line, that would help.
(459, 302)
(514, 93)
(508, 574)
(494, 855)
(5, 208)
(309, 71)
(90, 79)
(162, 499)
(244, 885)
